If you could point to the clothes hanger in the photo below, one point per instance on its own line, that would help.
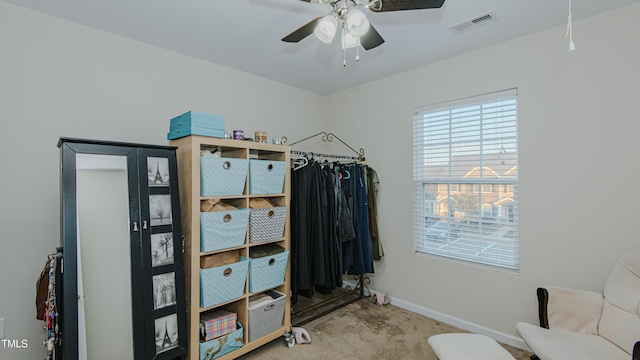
(299, 162)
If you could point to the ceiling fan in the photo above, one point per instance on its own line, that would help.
(356, 29)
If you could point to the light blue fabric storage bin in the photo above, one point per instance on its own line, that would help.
(267, 272)
(223, 229)
(266, 176)
(223, 283)
(197, 119)
(223, 345)
(267, 224)
(222, 176)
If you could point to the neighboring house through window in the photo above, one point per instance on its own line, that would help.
(466, 179)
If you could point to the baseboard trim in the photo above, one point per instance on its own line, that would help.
(454, 321)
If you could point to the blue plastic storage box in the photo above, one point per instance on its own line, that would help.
(223, 229)
(266, 176)
(223, 345)
(198, 119)
(223, 283)
(222, 176)
(178, 133)
(196, 123)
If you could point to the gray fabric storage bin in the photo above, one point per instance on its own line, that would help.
(267, 224)
(265, 315)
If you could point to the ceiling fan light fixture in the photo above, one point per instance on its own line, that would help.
(374, 5)
(357, 22)
(326, 29)
(348, 40)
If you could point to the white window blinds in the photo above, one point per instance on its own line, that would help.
(465, 174)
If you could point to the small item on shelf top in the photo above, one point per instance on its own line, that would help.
(261, 136)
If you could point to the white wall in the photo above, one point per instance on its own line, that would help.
(579, 166)
(58, 79)
(578, 162)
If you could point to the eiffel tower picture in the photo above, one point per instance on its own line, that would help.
(158, 179)
(167, 339)
(164, 339)
(158, 171)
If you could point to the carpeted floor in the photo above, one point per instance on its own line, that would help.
(364, 330)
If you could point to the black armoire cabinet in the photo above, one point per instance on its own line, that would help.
(123, 292)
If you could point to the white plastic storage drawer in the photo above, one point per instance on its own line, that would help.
(223, 229)
(222, 176)
(266, 176)
(266, 312)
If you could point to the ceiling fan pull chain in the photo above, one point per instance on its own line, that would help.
(358, 51)
(344, 57)
(572, 46)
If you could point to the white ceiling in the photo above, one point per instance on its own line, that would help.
(245, 34)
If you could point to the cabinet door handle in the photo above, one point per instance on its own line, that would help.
(144, 225)
(135, 226)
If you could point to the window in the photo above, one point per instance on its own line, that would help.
(486, 188)
(464, 153)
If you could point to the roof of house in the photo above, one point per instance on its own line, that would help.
(468, 166)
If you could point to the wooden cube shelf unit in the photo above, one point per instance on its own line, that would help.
(189, 175)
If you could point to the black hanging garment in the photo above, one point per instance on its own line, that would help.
(329, 226)
(358, 254)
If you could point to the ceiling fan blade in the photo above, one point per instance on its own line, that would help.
(302, 32)
(371, 39)
(396, 5)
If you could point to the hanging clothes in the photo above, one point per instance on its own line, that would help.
(357, 253)
(330, 233)
(316, 259)
(373, 186)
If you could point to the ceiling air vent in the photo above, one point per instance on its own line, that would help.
(473, 23)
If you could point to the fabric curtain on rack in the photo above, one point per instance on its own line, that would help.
(330, 229)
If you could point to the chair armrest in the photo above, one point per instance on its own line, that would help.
(569, 309)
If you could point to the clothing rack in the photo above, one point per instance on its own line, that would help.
(347, 294)
(328, 137)
(328, 156)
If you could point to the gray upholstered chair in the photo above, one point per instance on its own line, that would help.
(585, 325)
